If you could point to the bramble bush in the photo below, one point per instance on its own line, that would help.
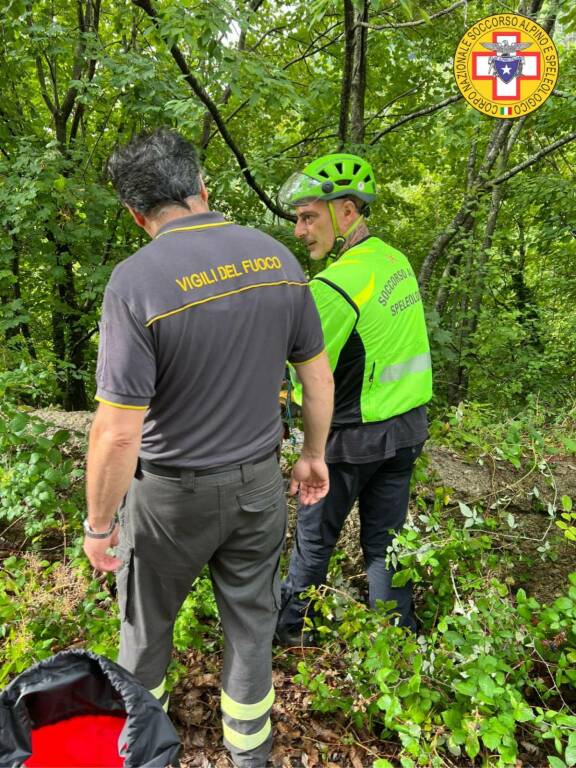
(489, 678)
(483, 680)
(491, 674)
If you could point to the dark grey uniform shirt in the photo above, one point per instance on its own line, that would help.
(379, 440)
(196, 328)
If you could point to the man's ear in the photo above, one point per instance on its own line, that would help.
(203, 191)
(139, 218)
(350, 210)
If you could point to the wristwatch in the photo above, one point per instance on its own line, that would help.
(104, 535)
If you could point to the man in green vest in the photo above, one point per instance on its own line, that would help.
(375, 335)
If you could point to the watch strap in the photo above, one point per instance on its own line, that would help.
(94, 535)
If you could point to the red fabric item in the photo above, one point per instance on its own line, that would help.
(89, 741)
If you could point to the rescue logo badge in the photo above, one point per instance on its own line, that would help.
(506, 65)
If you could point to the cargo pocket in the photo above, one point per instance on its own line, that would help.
(269, 501)
(276, 582)
(125, 584)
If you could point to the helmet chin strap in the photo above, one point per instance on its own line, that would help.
(339, 237)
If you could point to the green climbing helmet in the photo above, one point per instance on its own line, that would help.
(330, 177)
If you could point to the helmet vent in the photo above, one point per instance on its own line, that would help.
(367, 178)
(356, 168)
(324, 174)
(338, 167)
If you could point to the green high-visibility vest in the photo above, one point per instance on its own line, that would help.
(375, 334)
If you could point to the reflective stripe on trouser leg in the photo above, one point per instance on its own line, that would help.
(161, 694)
(246, 726)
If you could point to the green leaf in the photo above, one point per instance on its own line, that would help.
(407, 8)
(566, 503)
(570, 754)
(491, 739)
(472, 745)
(487, 685)
(467, 687)
(19, 423)
(563, 604)
(401, 578)
(555, 762)
(523, 713)
(60, 437)
(465, 509)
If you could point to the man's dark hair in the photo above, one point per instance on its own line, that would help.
(155, 170)
(361, 206)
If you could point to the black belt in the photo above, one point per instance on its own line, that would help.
(163, 471)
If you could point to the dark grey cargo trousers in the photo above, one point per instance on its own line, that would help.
(383, 490)
(234, 521)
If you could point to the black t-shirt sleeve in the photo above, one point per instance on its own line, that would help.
(126, 370)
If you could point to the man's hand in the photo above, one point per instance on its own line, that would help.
(310, 477)
(96, 550)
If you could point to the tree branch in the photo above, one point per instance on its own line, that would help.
(85, 23)
(265, 35)
(54, 79)
(532, 160)
(203, 96)
(419, 113)
(42, 82)
(419, 22)
(307, 53)
(392, 101)
(310, 51)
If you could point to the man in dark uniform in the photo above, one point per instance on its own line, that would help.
(196, 328)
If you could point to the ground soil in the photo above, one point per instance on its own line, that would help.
(308, 739)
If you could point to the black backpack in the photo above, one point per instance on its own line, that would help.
(95, 692)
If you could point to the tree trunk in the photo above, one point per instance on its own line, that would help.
(68, 339)
(358, 85)
(349, 19)
(353, 92)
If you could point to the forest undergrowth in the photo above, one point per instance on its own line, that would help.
(490, 678)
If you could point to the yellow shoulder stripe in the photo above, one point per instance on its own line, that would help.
(196, 226)
(305, 362)
(221, 296)
(120, 405)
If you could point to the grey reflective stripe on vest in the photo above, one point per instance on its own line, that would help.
(415, 364)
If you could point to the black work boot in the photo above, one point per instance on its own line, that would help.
(292, 636)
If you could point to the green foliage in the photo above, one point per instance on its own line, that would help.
(190, 630)
(567, 523)
(276, 79)
(39, 486)
(491, 669)
(490, 673)
(486, 674)
(46, 607)
(526, 438)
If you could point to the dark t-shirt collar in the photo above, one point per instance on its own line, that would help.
(194, 220)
